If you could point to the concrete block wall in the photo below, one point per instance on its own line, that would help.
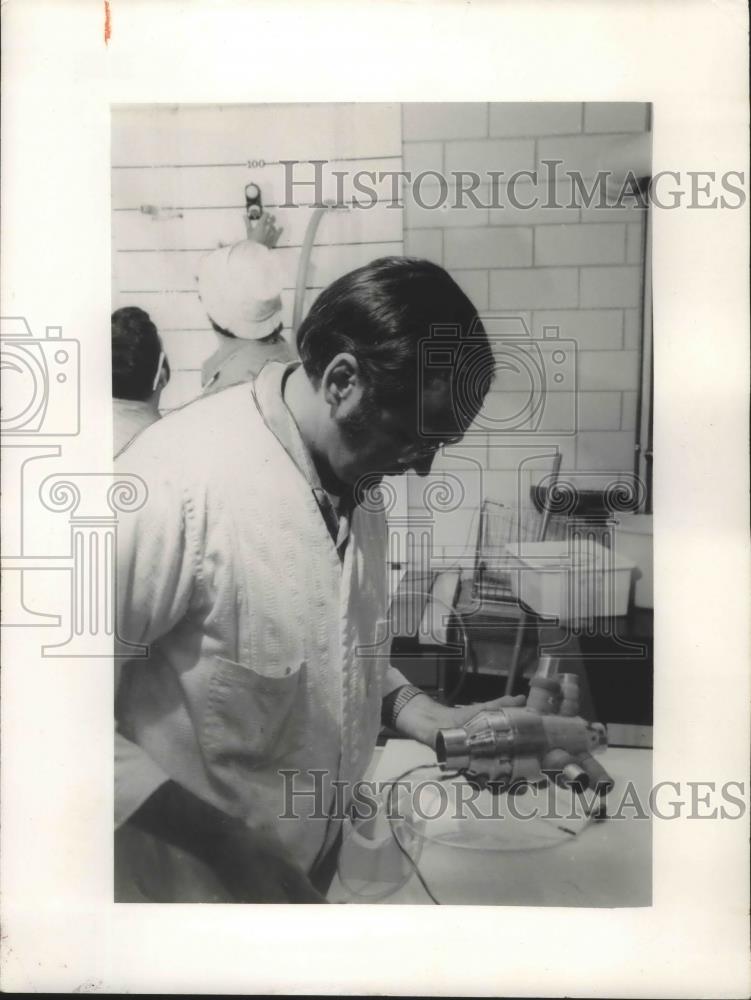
(576, 268)
(177, 191)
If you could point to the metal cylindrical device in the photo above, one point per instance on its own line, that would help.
(488, 737)
(498, 739)
(599, 779)
(546, 739)
(452, 749)
(564, 770)
(514, 745)
(574, 776)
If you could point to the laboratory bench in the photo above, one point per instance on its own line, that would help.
(502, 859)
(459, 648)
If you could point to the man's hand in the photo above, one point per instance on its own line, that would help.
(263, 230)
(463, 713)
(422, 717)
(252, 865)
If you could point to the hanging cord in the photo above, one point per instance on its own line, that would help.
(305, 252)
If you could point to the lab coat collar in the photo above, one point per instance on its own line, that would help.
(268, 391)
(213, 365)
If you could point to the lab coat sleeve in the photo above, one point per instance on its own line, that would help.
(157, 561)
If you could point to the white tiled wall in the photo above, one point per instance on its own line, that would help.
(576, 268)
(192, 163)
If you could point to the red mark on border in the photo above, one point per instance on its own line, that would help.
(107, 23)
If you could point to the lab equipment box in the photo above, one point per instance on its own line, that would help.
(576, 579)
(633, 538)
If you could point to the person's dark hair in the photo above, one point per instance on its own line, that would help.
(135, 354)
(220, 330)
(272, 338)
(386, 314)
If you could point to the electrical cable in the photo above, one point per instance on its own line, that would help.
(590, 816)
(413, 864)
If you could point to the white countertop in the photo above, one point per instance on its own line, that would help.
(501, 859)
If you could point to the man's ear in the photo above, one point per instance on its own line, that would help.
(342, 382)
(164, 375)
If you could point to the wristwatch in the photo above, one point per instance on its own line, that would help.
(394, 702)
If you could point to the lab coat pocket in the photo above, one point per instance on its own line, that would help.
(251, 719)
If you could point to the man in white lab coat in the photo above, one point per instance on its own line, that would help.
(255, 578)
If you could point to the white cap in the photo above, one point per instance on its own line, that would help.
(240, 287)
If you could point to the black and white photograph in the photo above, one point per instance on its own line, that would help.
(384, 374)
(375, 466)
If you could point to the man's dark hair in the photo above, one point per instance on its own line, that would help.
(135, 354)
(386, 314)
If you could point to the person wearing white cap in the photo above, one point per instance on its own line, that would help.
(240, 288)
